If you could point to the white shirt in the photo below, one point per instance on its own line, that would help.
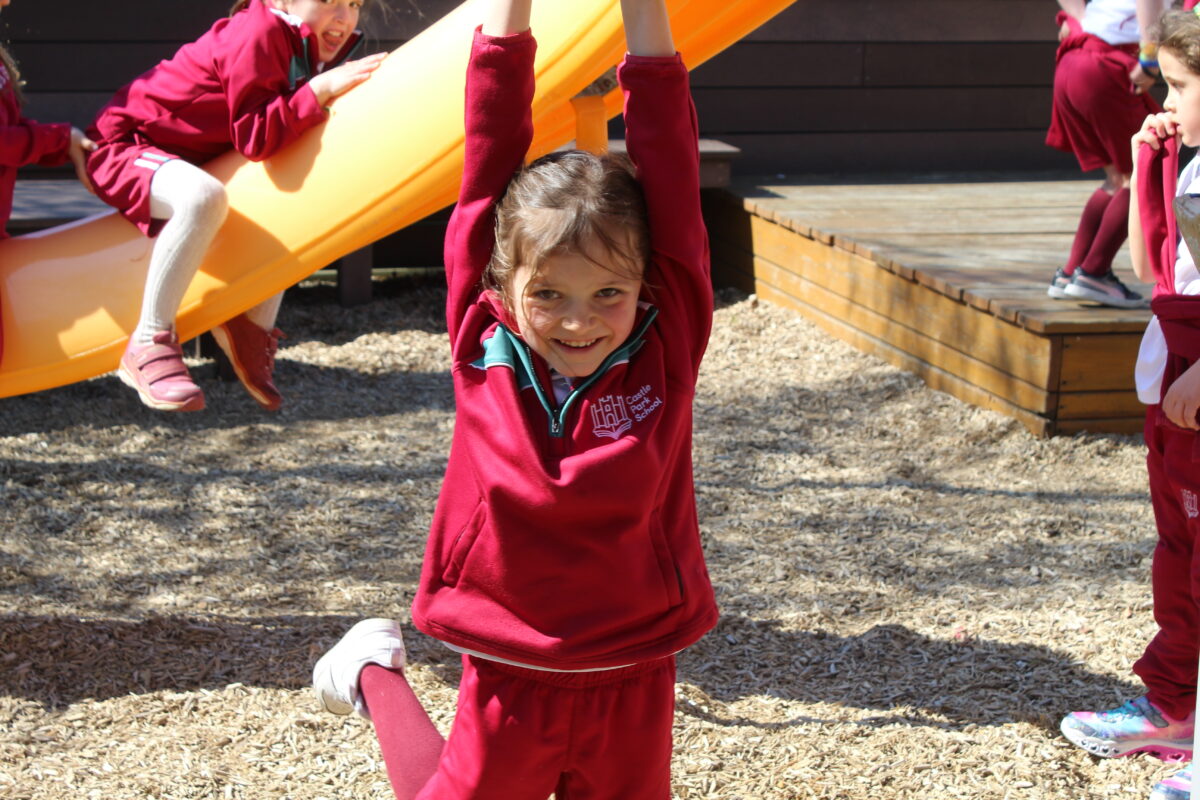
(1152, 354)
(1114, 21)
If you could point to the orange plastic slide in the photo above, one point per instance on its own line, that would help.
(390, 155)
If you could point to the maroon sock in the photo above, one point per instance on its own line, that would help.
(410, 743)
(1089, 223)
(1114, 230)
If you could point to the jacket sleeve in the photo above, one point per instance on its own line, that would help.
(498, 133)
(30, 142)
(662, 136)
(265, 111)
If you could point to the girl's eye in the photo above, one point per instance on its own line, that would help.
(545, 295)
(608, 292)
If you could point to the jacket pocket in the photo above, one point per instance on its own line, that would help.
(666, 562)
(463, 543)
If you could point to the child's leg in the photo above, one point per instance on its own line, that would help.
(621, 739)
(263, 315)
(1113, 229)
(194, 205)
(250, 341)
(1168, 667)
(410, 743)
(1089, 224)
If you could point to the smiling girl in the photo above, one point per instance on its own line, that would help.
(253, 83)
(564, 560)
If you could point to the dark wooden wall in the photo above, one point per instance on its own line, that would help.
(828, 86)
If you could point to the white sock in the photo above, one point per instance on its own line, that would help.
(194, 205)
(263, 315)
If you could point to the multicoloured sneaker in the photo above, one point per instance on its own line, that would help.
(1106, 289)
(1058, 284)
(1176, 787)
(157, 372)
(1138, 726)
(335, 676)
(252, 350)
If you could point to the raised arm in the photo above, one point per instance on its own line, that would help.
(647, 28)
(506, 17)
(1073, 7)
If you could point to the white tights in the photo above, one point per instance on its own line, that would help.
(194, 205)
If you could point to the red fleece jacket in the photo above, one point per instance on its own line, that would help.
(566, 534)
(242, 85)
(24, 141)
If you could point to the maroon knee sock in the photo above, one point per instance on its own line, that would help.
(410, 743)
(1089, 223)
(1114, 230)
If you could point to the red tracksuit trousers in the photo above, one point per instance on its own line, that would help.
(521, 734)
(1168, 666)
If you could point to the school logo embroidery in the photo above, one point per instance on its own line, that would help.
(1190, 505)
(610, 418)
(614, 414)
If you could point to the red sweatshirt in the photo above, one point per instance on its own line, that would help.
(566, 534)
(243, 84)
(24, 141)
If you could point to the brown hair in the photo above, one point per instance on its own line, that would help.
(1179, 32)
(14, 74)
(566, 201)
(240, 4)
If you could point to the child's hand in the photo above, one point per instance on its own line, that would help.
(340, 80)
(78, 148)
(1141, 80)
(1183, 399)
(1156, 128)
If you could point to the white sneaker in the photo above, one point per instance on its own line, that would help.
(335, 676)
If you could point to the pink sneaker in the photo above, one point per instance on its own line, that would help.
(159, 375)
(1135, 727)
(251, 350)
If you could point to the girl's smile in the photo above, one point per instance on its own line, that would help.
(331, 21)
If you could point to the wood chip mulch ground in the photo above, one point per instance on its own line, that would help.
(913, 590)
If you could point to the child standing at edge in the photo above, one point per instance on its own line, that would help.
(1101, 96)
(1168, 381)
(564, 560)
(26, 141)
(254, 82)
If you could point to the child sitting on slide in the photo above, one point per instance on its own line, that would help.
(565, 560)
(254, 82)
(26, 141)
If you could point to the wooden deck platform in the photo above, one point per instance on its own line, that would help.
(946, 280)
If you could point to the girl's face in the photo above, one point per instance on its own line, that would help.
(574, 312)
(1183, 96)
(331, 21)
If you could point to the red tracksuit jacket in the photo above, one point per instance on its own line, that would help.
(243, 84)
(24, 141)
(566, 535)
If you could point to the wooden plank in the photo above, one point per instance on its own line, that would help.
(1099, 362)
(991, 340)
(791, 64)
(912, 21)
(1100, 405)
(908, 340)
(788, 109)
(73, 21)
(1070, 427)
(935, 378)
(800, 154)
(959, 63)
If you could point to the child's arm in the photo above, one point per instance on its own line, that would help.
(1073, 7)
(1155, 129)
(1182, 400)
(647, 28)
(507, 17)
(498, 131)
(662, 136)
(49, 144)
